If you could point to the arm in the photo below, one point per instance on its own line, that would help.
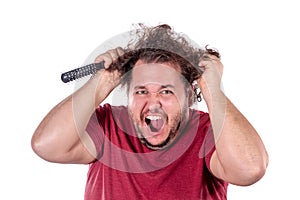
(240, 157)
(61, 136)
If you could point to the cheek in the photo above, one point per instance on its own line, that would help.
(172, 105)
(176, 105)
(180, 98)
(135, 104)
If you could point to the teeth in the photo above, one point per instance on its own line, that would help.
(153, 117)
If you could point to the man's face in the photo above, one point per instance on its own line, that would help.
(157, 103)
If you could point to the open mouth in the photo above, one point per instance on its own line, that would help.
(155, 123)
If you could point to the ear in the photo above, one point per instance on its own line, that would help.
(191, 96)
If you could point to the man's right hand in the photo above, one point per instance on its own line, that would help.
(109, 78)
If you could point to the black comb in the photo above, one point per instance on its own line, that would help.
(81, 72)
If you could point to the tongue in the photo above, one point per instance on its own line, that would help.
(156, 125)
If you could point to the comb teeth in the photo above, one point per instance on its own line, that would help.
(81, 72)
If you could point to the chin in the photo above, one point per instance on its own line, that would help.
(158, 145)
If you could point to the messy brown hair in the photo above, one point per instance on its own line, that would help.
(161, 44)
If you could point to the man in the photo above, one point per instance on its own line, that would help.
(156, 147)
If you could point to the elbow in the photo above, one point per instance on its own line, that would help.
(52, 149)
(38, 147)
(253, 173)
(43, 147)
(247, 177)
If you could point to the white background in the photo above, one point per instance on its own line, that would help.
(258, 40)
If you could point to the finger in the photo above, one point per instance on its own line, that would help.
(209, 57)
(203, 64)
(113, 53)
(211, 65)
(106, 57)
(120, 51)
(116, 53)
(208, 60)
(213, 57)
(110, 56)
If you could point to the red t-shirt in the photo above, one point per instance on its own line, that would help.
(127, 169)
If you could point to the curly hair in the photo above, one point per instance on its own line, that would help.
(161, 44)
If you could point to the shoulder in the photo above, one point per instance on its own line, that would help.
(199, 117)
(109, 108)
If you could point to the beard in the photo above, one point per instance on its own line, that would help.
(173, 121)
(161, 145)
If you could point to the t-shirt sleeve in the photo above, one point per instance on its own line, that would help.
(95, 128)
(209, 146)
(205, 132)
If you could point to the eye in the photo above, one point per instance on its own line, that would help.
(141, 92)
(166, 92)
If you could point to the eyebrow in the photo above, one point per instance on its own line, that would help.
(162, 87)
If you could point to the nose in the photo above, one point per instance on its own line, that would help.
(154, 102)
